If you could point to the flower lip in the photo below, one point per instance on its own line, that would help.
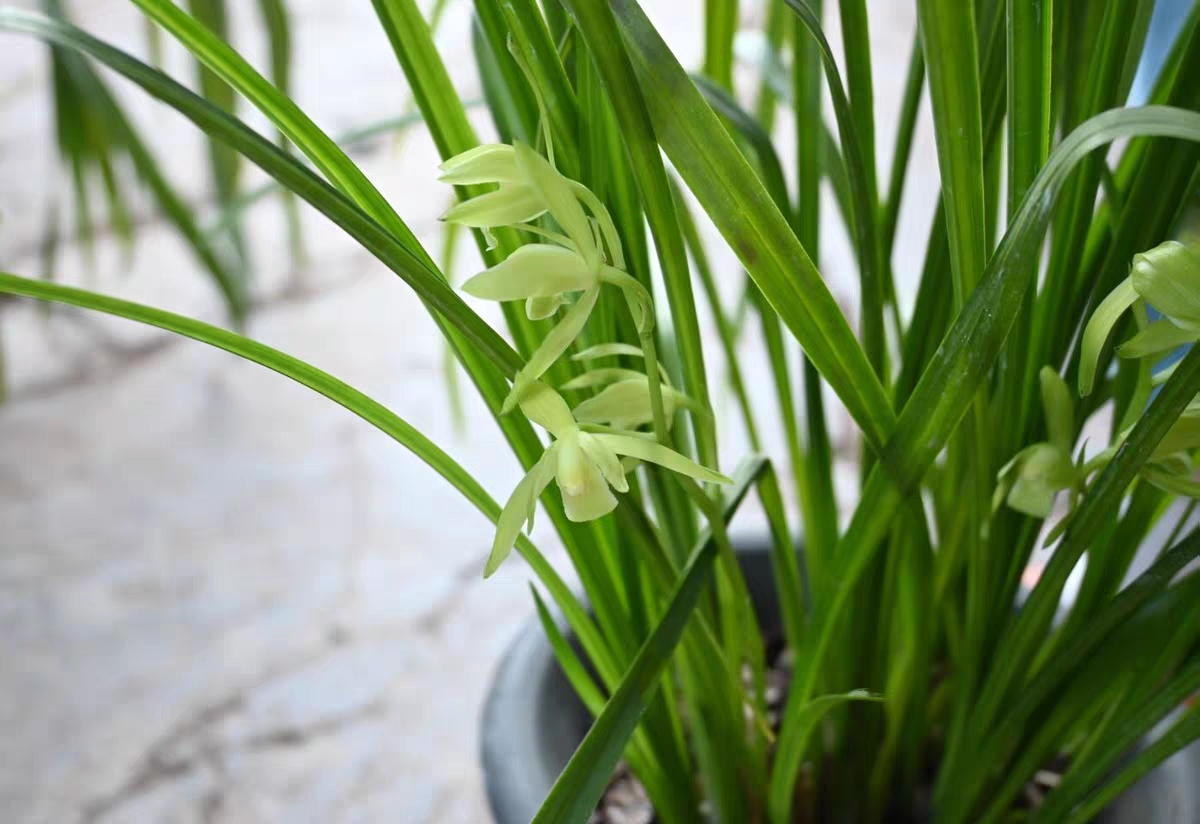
(584, 487)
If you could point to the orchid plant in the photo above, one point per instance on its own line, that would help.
(1011, 405)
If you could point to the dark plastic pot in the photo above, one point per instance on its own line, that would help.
(532, 722)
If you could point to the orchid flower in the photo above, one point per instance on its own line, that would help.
(1031, 481)
(583, 464)
(624, 403)
(1169, 467)
(541, 274)
(1167, 278)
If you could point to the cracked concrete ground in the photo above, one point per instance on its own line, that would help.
(223, 598)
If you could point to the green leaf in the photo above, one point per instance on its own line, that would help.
(347, 139)
(568, 661)
(1019, 643)
(630, 105)
(369, 410)
(1181, 734)
(283, 112)
(806, 721)
(725, 332)
(94, 105)
(485, 355)
(530, 39)
(224, 163)
(758, 233)
(909, 108)
(1077, 783)
(720, 26)
(578, 789)
(855, 126)
(949, 385)
(952, 62)
(1030, 52)
(274, 14)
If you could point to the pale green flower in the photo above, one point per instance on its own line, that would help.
(1169, 467)
(585, 465)
(540, 274)
(1167, 278)
(515, 201)
(624, 403)
(1031, 481)
(529, 187)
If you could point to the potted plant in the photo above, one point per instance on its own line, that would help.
(889, 673)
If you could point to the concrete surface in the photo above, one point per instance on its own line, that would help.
(223, 598)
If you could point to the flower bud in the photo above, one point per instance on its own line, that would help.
(1168, 278)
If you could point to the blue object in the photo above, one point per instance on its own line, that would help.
(1165, 24)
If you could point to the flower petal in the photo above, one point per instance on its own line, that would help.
(608, 350)
(601, 377)
(625, 405)
(516, 511)
(553, 346)
(1045, 471)
(547, 409)
(555, 191)
(1059, 408)
(540, 308)
(1168, 278)
(542, 474)
(1160, 336)
(585, 491)
(490, 163)
(536, 270)
(606, 460)
(656, 453)
(511, 203)
(1098, 328)
(596, 502)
